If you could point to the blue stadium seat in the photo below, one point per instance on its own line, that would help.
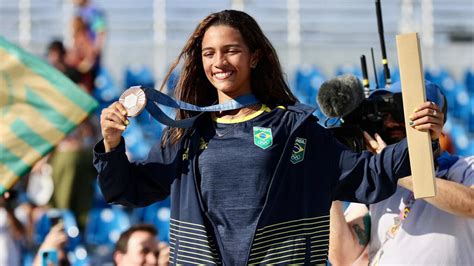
(469, 81)
(460, 103)
(308, 79)
(104, 226)
(79, 256)
(98, 201)
(172, 81)
(139, 75)
(150, 127)
(467, 114)
(437, 75)
(349, 69)
(135, 142)
(43, 226)
(394, 77)
(157, 214)
(105, 91)
(460, 138)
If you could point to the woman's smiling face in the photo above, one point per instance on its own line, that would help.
(227, 61)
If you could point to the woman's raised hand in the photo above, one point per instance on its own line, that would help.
(113, 121)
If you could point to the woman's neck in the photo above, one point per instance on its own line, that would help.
(239, 113)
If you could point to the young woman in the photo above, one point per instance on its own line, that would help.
(253, 185)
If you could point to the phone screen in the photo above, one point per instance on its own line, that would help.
(49, 257)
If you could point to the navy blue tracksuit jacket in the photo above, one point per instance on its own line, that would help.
(293, 226)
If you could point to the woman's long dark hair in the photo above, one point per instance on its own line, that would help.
(267, 82)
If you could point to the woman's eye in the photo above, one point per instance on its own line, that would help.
(207, 54)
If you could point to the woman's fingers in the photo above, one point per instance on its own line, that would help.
(428, 117)
(108, 124)
(116, 112)
(426, 109)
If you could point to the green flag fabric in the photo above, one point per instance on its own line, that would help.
(39, 106)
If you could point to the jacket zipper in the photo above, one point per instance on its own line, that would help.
(277, 171)
(216, 235)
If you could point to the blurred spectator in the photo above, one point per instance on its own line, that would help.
(72, 172)
(56, 56)
(164, 256)
(82, 54)
(446, 143)
(137, 246)
(94, 19)
(54, 242)
(12, 233)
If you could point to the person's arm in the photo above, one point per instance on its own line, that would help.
(134, 184)
(349, 235)
(131, 184)
(369, 178)
(54, 240)
(450, 197)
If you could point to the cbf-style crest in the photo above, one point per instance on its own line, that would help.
(298, 150)
(262, 137)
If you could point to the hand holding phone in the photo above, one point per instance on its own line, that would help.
(49, 257)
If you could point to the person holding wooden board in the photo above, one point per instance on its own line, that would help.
(402, 230)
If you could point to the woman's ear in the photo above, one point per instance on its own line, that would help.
(254, 58)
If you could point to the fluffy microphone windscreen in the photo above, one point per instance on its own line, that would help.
(339, 96)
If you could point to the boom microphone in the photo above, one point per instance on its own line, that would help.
(340, 96)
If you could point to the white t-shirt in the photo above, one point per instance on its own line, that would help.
(9, 248)
(428, 236)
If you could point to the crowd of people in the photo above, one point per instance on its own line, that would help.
(65, 178)
(263, 183)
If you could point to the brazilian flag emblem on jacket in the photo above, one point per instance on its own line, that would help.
(298, 150)
(262, 137)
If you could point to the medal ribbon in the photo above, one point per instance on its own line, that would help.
(155, 97)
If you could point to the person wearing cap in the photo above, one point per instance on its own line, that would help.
(400, 229)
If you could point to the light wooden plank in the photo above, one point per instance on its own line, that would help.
(413, 94)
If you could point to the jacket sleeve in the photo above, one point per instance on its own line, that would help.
(135, 184)
(364, 177)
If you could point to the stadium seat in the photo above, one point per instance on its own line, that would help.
(349, 69)
(105, 91)
(136, 146)
(469, 81)
(98, 201)
(394, 77)
(308, 79)
(460, 104)
(467, 115)
(460, 138)
(437, 74)
(139, 75)
(104, 226)
(157, 214)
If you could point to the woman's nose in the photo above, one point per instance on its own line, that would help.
(221, 60)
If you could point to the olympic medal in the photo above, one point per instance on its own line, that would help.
(134, 100)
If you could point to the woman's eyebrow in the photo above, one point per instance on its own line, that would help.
(233, 45)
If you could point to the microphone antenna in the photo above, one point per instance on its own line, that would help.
(365, 76)
(377, 85)
(386, 70)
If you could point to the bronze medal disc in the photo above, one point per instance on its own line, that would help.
(134, 100)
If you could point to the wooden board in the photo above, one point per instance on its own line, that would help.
(413, 93)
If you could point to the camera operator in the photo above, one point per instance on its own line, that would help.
(400, 229)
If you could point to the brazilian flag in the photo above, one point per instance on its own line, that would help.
(39, 106)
